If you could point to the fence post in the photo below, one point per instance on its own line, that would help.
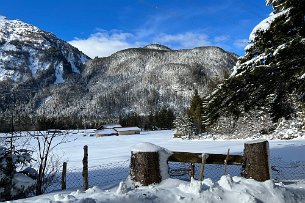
(226, 162)
(85, 168)
(64, 176)
(203, 160)
(192, 170)
(256, 160)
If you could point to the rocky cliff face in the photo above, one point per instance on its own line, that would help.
(31, 56)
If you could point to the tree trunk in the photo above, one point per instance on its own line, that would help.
(256, 156)
(145, 167)
(39, 180)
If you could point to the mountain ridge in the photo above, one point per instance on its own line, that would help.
(136, 80)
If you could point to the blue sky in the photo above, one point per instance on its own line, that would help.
(101, 27)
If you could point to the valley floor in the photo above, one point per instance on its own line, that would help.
(103, 150)
(117, 148)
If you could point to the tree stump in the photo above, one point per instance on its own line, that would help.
(256, 160)
(145, 168)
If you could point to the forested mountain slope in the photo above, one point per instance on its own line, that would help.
(266, 91)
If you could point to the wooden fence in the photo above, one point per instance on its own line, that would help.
(187, 157)
(145, 166)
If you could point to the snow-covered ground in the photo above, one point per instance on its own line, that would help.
(104, 150)
(117, 148)
(227, 189)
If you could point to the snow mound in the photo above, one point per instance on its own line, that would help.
(227, 189)
(146, 147)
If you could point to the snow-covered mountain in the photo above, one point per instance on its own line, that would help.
(144, 80)
(29, 55)
(66, 83)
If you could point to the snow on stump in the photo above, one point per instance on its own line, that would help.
(148, 164)
(256, 156)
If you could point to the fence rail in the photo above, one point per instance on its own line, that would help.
(188, 157)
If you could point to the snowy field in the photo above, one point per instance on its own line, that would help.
(117, 148)
(114, 149)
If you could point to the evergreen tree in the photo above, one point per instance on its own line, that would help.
(273, 67)
(205, 118)
(196, 111)
(15, 184)
(132, 119)
(164, 119)
(184, 126)
(170, 117)
(151, 123)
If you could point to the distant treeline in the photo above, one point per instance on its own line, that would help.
(162, 119)
(43, 123)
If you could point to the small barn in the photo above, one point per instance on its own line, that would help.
(128, 130)
(116, 129)
(106, 132)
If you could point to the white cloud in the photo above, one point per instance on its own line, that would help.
(241, 43)
(104, 43)
(183, 40)
(221, 38)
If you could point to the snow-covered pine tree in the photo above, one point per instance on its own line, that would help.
(15, 184)
(184, 127)
(273, 66)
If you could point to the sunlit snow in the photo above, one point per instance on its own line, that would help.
(228, 189)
